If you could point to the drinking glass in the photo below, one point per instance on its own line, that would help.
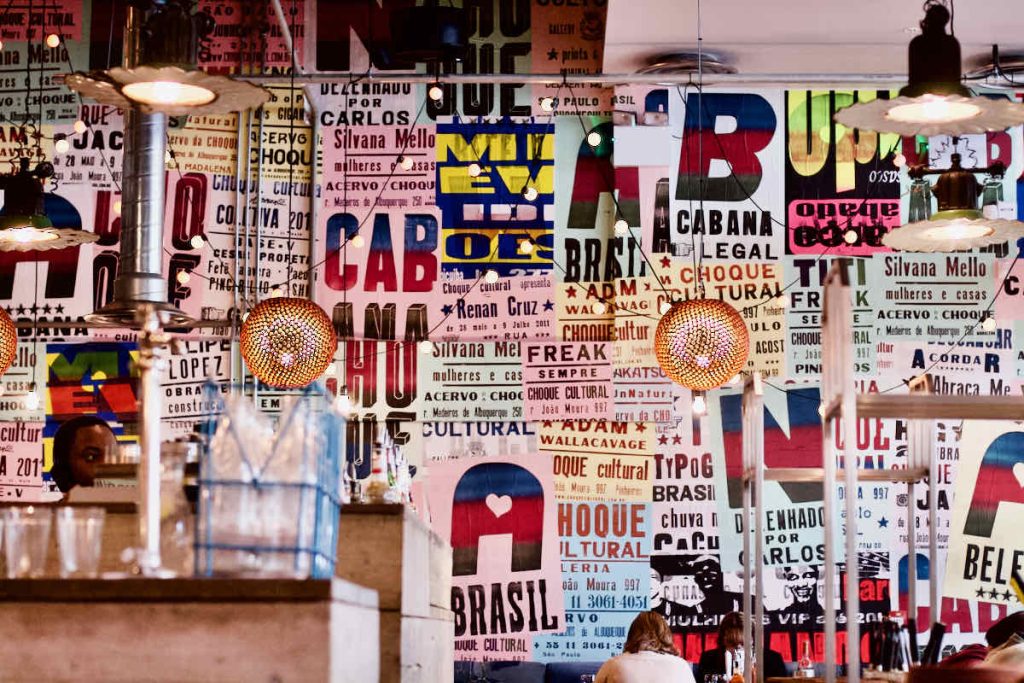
(79, 539)
(586, 678)
(26, 540)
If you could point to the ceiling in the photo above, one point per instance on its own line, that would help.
(800, 36)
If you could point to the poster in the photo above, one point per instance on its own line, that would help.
(516, 307)
(600, 460)
(500, 517)
(565, 381)
(21, 463)
(472, 381)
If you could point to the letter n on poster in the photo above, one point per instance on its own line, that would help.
(500, 516)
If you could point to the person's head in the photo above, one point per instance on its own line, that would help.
(730, 631)
(707, 574)
(79, 445)
(801, 582)
(649, 632)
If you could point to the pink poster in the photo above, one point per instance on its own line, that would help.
(499, 514)
(567, 381)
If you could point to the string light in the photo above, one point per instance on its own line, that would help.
(426, 346)
(782, 299)
(736, 380)
(526, 246)
(435, 92)
(547, 104)
(53, 40)
(491, 276)
(343, 403)
(405, 162)
(1, 44)
(821, 410)
(276, 293)
(599, 307)
(357, 241)
(988, 323)
(32, 398)
(665, 307)
(197, 242)
(332, 369)
(593, 138)
(621, 228)
(474, 170)
(700, 405)
(899, 161)
(850, 237)
(79, 126)
(183, 277)
(530, 193)
(60, 143)
(117, 207)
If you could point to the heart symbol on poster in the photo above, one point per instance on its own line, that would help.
(499, 505)
(1018, 471)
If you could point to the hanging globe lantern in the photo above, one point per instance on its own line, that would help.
(288, 342)
(8, 341)
(701, 344)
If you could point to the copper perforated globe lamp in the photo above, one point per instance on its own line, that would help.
(701, 344)
(8, 341)
(288, 342)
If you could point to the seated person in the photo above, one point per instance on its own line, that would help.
(730, 639)
(79, 445)
(648, 656)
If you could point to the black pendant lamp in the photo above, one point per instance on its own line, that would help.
(24, 225)
(934, 101)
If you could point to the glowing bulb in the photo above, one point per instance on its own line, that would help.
(287, 359)
(245, 316)
(405, 162)
(491, 276)
(117, 208)
(435, 92)
(1, 44)
(783, 300)
(700, 406)
(32, 400)
(593, 138)
(52, 40)
(61, 145)
(343, 404)
(736, 380)
(850, 236)
(988, 324)
(665, 307)
(169, 93)
(821, 410)
(621, 228)
(80, 127)
(530, 193)
(599, 307)
(168, 157)
(332, 369)
(474, 170)
(958, 230)
(547, 104)
(526, 246)
(182, 277)
(276, 292)
(197, 242)
(357, 241)
(933, 109)
(899, 161)
(426, 346)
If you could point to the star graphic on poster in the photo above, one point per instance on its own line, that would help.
(662, 440)
(883, 523)
(546, 423)
(549, 305)
(641, 427)
(993, 594)
(666, 262)
(47, 308)
(8, 309)
(1007, 595)
(677, 440)
(570, 292)
(447, 309)
(60, 308)
(21, 310)
(34, 309)
(647, 286)
(980, 593)
(552, 54)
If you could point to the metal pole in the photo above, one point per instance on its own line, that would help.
(153, 348)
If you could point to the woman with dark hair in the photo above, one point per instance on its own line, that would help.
(648, 656)
(730, 641)
(79, 445)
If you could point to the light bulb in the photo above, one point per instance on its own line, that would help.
(526, 246)
(32, 400)
(332, 369)
(182, 277)
(197, 242)
(117, 208)
(933, 109)
(621, 228)
(1, 44)
(593, 138)
(665, 307)
(899, 161)
(426, 346)
(530, 193)
(700, 406)
(988, 324)
(405, 162)
(61, 145)
(491, 276)
(736, 379)
(80, 127)
(357, 241)
(850, 236)
(52, 40)
(474, 170)
(276, 292)
(547, 104)
(783, 300)
(245, 316)
(435, 92)
(343, 404)
(599, 307)
(821, 410)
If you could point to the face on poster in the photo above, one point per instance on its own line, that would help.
(501, 519)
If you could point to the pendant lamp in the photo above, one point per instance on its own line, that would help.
(934, 101)
(288, 342)
(958, 225)
(8, 341)
(23, 223)
(701, 344)
(162, 76)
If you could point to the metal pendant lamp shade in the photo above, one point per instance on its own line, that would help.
(288, 342)
(159, 75)
(934, 102)
(701, 344)
(24, 225)
(8, 341)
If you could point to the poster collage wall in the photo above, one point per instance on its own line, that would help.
(568, 473)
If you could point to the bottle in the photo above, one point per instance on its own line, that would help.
(737, 666)
(805, 668)
(377, 485)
